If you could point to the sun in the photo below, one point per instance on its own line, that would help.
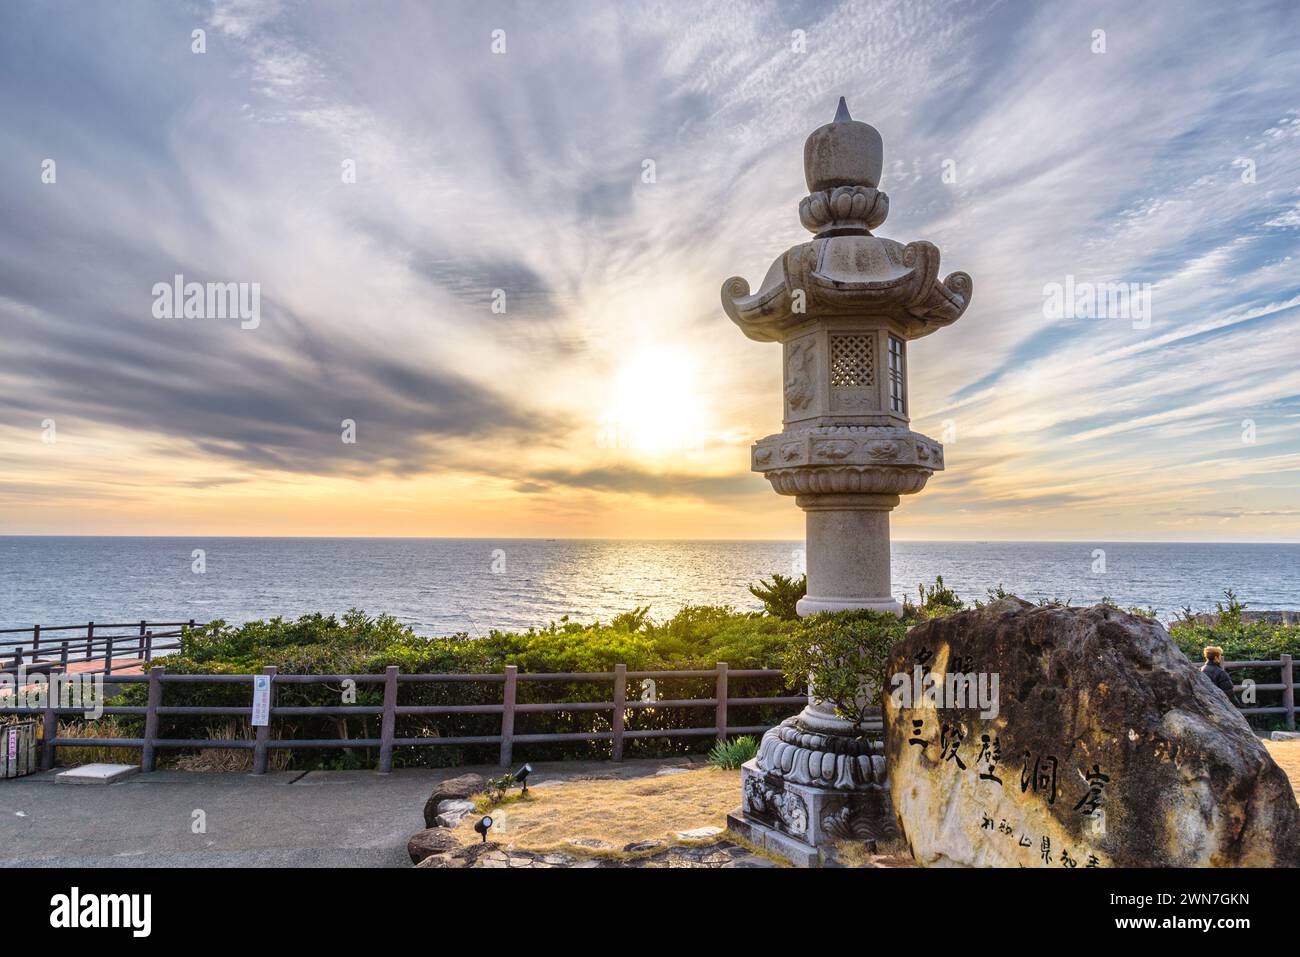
(656, 403)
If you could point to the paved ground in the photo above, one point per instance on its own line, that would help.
(285, 819)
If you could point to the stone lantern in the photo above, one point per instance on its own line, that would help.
(844, 306)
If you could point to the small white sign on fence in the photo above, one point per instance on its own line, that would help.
(261, 700)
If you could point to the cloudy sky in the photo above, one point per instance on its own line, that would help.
(607, 394)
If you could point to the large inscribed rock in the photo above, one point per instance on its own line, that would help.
(1104, 747)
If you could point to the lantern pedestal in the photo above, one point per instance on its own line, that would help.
(844, 306)
(809, 790)
(848, 553)
(847, 479)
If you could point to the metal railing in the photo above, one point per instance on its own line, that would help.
(392, 680)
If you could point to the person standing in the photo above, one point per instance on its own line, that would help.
(1213, 669)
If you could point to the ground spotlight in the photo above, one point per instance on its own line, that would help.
(482, 826)
(522, 776)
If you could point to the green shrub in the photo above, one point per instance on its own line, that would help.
(499, 786)
(836, 648)
(847, 655)
(694, 639)
(1138, 611)
(780, 595)
(1240, 640)
(734, 752)
(937, 600)
(994, 594)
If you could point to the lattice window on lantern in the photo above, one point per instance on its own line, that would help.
(853, 361)
(897, 372)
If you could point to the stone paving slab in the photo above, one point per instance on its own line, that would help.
(97, 774)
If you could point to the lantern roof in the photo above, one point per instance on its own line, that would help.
(845, 270)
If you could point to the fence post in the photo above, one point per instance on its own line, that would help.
(90, 640)
(148, 752)
(721, 695)
(620, 710)
(1288, 692)
(63, 658)
(143, 626)
(148, 646)
(50, 724)
(36, 638)
(389, 721)
(108, 656)
(508, 715)
(264, 732)
(191, 624)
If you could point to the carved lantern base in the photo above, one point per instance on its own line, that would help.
(847, 479)
(807, 790)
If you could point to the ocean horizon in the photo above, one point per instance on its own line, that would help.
(442, 586)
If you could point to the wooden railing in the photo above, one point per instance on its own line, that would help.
(1286, 686)
(392, 680)
(618, 708)
(101, 647)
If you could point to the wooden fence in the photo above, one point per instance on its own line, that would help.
(1286, 686)
(392, 680)
(143, 643)
(98, 649)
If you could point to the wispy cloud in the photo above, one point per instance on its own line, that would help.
(518, 180)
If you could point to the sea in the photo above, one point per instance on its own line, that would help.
(442, 586)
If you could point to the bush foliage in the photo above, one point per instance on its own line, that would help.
(781, 595)
(734, 752)
(696, 638)
(847, 654)
(837, 649)
(1241, 640)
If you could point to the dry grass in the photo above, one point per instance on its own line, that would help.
(229, 759)
(107, 726)
(618, 812)
(622, 812)
(1287, 756)
(208, 759)
(888, 854)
